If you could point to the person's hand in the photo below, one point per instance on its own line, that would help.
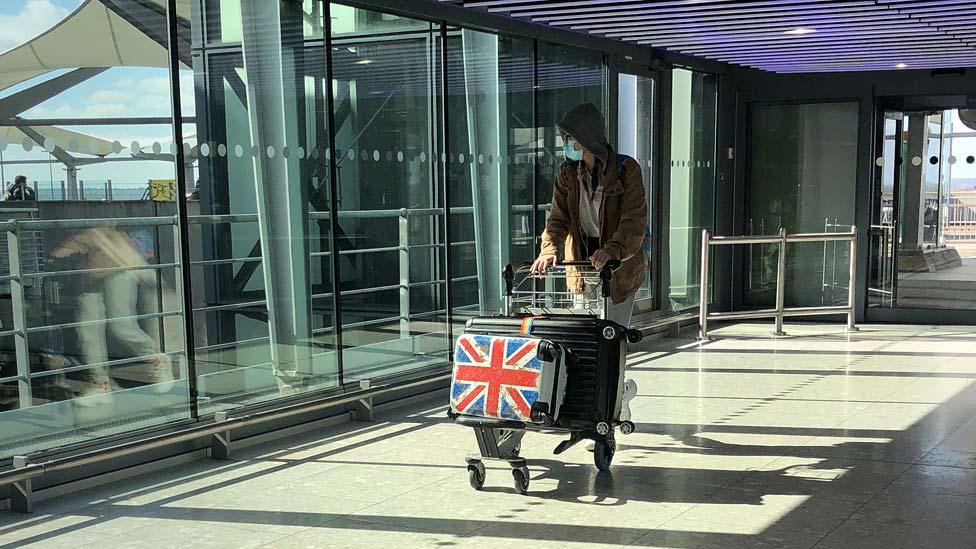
(542, 264)
(599, 259)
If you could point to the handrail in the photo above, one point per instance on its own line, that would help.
(779, 312)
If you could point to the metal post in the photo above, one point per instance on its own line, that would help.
(780, 283)
(108, 190)
(19, 319)
(81, 189)
(852, 269)
(220, 442)
(703, 295)
(22, 495)
(363, 407)
(404, 232)
(64, 195)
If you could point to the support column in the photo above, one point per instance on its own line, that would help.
(273, 57)
(485, 95)
(913, 198)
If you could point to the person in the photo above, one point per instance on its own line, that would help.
(19, 190)
(112, 295)
(598, 214)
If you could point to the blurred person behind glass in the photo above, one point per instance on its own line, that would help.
(114, 294)
(19, 191)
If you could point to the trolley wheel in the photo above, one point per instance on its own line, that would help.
(603, 455)
(476, 475)
(627, 427)
(521, 476)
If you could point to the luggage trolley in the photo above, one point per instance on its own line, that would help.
(553, 362)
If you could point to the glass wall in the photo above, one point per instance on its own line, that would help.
(636, 103)
(694, 104)
(91, 310)
(354, 182)
(802, 178)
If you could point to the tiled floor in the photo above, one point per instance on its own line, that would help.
(816, 439)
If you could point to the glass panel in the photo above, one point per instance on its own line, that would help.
(922, 248)
(635, 138)
(694, 103)
(91, 333)
(802, 178)
(260, 229)
(390, 206)
(493, 146)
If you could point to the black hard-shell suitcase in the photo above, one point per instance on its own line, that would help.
(595, 353)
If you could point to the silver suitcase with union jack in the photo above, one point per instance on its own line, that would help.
(519, 379)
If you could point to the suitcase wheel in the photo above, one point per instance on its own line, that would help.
(627, 427)
(521, 476)
(603, 455)
(476, 475)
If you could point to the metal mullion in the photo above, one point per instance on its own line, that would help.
(333, 193)
(444, 92)
(183, 245)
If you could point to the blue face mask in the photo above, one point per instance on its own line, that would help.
(572, 153)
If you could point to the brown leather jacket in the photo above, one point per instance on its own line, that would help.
(623, 221)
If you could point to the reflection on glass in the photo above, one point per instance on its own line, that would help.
(694, 100)
(802, 175)
(91, 331)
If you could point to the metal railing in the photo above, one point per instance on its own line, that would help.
(780, 311)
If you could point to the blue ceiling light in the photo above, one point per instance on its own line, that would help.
(774, 35)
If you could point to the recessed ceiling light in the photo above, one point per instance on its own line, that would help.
(364, 61)
(800, 31)
(901, 66)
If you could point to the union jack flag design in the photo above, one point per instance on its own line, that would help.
(496, 377)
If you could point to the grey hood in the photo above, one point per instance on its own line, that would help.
(585, 123)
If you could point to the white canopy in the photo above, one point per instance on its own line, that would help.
(91, 36)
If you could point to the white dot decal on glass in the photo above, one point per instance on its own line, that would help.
(481, 159)
(301, 152)
(187, 149)
(444, 157)
(490, 159)
(916, 161)
(389, 156)
(73, 144)
(952, 160)
(270, 151)
(221, 150)
(116, 147)
(134, 147)
(517, 160)
(157, 147)
(239, 151)
(328, 153)
(399, 156)
(423, 157)
(204, 149)
(27, 144)
(93, 146)
(460, 158)
(48, 144)
(173, 149)
(648, 162)
(879, 161)
(255, 151)
(352, 154)
(3, 144)
(364, 154)
(376, 156)
(285, 152)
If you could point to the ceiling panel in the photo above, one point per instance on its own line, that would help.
(773, 35)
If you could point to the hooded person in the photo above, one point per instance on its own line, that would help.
(598, 214)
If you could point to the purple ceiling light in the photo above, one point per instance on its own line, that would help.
(774, 35)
